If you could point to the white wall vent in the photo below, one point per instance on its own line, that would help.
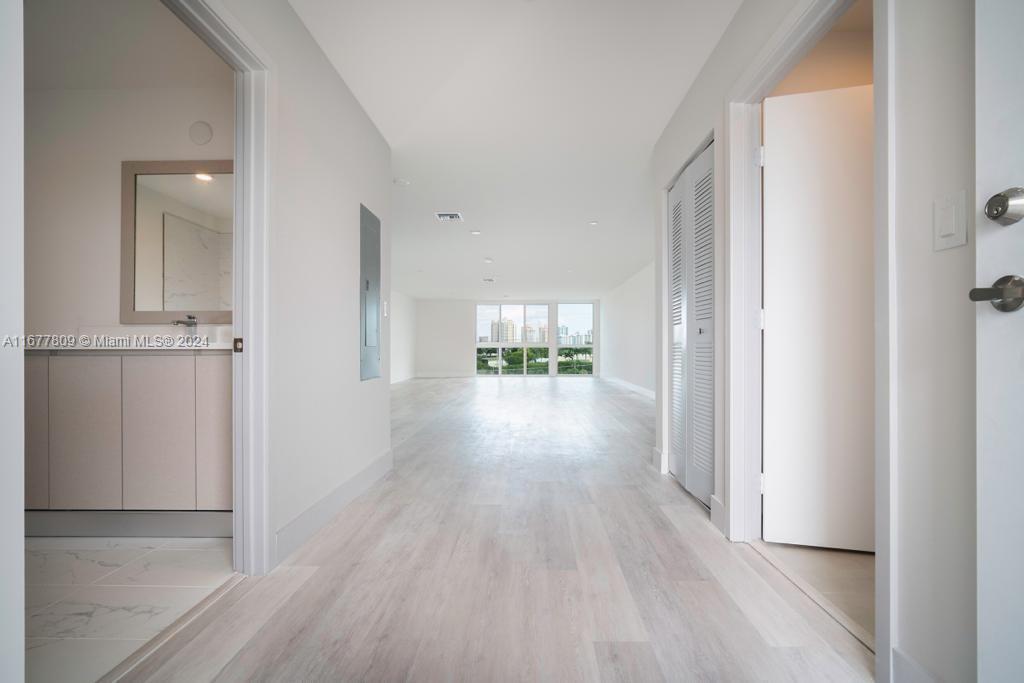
(449, 217)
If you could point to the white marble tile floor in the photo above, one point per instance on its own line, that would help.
(92, 602)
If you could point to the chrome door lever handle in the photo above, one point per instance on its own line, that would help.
(1006, 293)
(996, 293)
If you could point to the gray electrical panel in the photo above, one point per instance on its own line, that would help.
(369, 297)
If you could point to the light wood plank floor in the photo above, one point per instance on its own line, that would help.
(521, 536)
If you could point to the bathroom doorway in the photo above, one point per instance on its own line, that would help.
(135, 311)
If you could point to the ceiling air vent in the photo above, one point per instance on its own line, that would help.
(449, 217)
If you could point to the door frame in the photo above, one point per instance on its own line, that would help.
(224, 34)
(740, 174)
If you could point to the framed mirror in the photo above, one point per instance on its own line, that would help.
(177, 225)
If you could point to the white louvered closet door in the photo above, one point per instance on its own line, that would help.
(677, 324)
(699, 225)
(691, 316)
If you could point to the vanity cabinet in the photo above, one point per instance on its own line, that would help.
(128, 431)
(85, 432)
(37, 425)
(213, 432)
(159, 442)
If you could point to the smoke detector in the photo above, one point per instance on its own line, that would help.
(449, 217)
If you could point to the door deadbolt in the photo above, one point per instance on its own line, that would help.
(1007, 207)
(1006, 294)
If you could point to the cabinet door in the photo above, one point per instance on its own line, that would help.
(213, 432)
(85, 432)
(159, 432)
(37, 436)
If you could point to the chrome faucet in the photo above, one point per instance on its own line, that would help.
(190, 322)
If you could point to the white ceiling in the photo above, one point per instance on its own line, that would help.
(93, 44)
(532, 118)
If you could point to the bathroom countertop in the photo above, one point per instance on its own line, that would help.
(132, 339)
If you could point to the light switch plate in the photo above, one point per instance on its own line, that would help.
(949, 221)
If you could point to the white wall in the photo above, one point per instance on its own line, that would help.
(75, 141)
(934, 101)
(628, 330)
(326, 157)
(444, 338)
(403, 336)
(12, 365)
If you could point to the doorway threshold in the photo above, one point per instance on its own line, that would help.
(830, 608)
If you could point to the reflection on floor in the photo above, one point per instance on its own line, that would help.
(91, 602)
(844, 578)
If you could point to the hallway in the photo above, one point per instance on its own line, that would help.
(521, 536)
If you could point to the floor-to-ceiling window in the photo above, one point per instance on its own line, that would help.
(576, 339)
(488, 335)
(515, 339)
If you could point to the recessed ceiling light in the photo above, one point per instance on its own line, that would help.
(569, 271)
(474, 232)
(402, 182)
(488, 259)
(592, 224)
(489, 280)
(204, 177)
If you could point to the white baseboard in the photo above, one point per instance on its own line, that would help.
(643, 391)
(719, 515)
(442, 375)
(296, 532)
(656, 458)
(906, 669)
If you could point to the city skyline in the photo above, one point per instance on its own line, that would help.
(507, 331)
(505, 324)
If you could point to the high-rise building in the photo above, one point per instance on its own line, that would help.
(507, 329)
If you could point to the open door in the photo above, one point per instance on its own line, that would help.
(999, 110)
(819, 319)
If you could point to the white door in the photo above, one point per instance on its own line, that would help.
(699, 212)
(999, 53)
(819, 320)
(692, 299)
(677, 327)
